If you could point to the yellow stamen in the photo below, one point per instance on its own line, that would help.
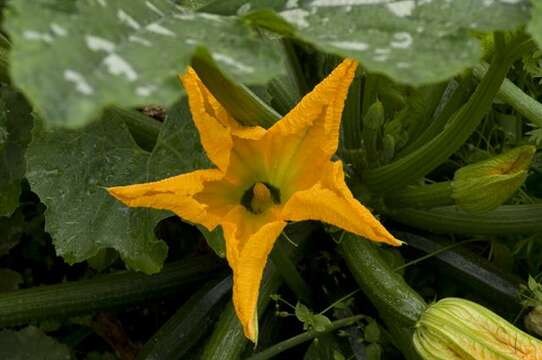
(261, 199)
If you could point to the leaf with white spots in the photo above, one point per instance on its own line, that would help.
(535, 25)
(75, 58)
(414, 42)
(69, 169)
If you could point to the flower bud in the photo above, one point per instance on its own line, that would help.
(454, 328)
(485, 185)
(374, 119)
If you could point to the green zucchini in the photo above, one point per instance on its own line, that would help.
(397, 303)
(103, 292)
(183, 330)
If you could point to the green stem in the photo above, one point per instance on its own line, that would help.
(435, 125)
(241, 103)
(304, 337)
(515, 97)
(294, 66)
(184, 329)
(286, 90)
(424, 103)
(283, 97)
(424, 197)
(352, 116)
(287, 269)
(144, 129)
(417, 164)
(373, 120)
(370, 86)
(505, 220)
(397, 303)
(103, 292)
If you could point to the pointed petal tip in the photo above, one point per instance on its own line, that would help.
(115, 191)
(251, 331)
(396, 242)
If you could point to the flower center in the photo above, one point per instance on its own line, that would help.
(260, 196)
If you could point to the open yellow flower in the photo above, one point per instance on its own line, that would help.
(264, 178)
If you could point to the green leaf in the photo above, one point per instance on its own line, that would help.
(310, 320)
(320, 322)
(302, 313)
(215, 240)
(69, 169)
(535, 25)
(414, 42)
(31, 343)
(232, 7)
(71, 65)
(15, 125)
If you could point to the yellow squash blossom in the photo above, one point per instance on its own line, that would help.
(263, 178)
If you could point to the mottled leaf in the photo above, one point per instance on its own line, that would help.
(535, 25)
(240, 7)
(73, 60)
(69, 169)
(31, 343)
(15, 127)
(414, 42)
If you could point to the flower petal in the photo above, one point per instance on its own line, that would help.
(249, 240)
(331, 201)
(214, 124)
(175, 194)
(309, 133)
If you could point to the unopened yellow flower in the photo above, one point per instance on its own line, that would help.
(264, 178)
(459, 329)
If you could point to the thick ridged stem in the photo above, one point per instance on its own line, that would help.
(422, 197)
(515, 97)
(505, 220)
(419, 163)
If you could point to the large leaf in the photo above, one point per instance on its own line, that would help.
(15, 127)
(414, 42)
(535, 25)
(69, 169)
(31, 343)
(239, 7)
(74, 59)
